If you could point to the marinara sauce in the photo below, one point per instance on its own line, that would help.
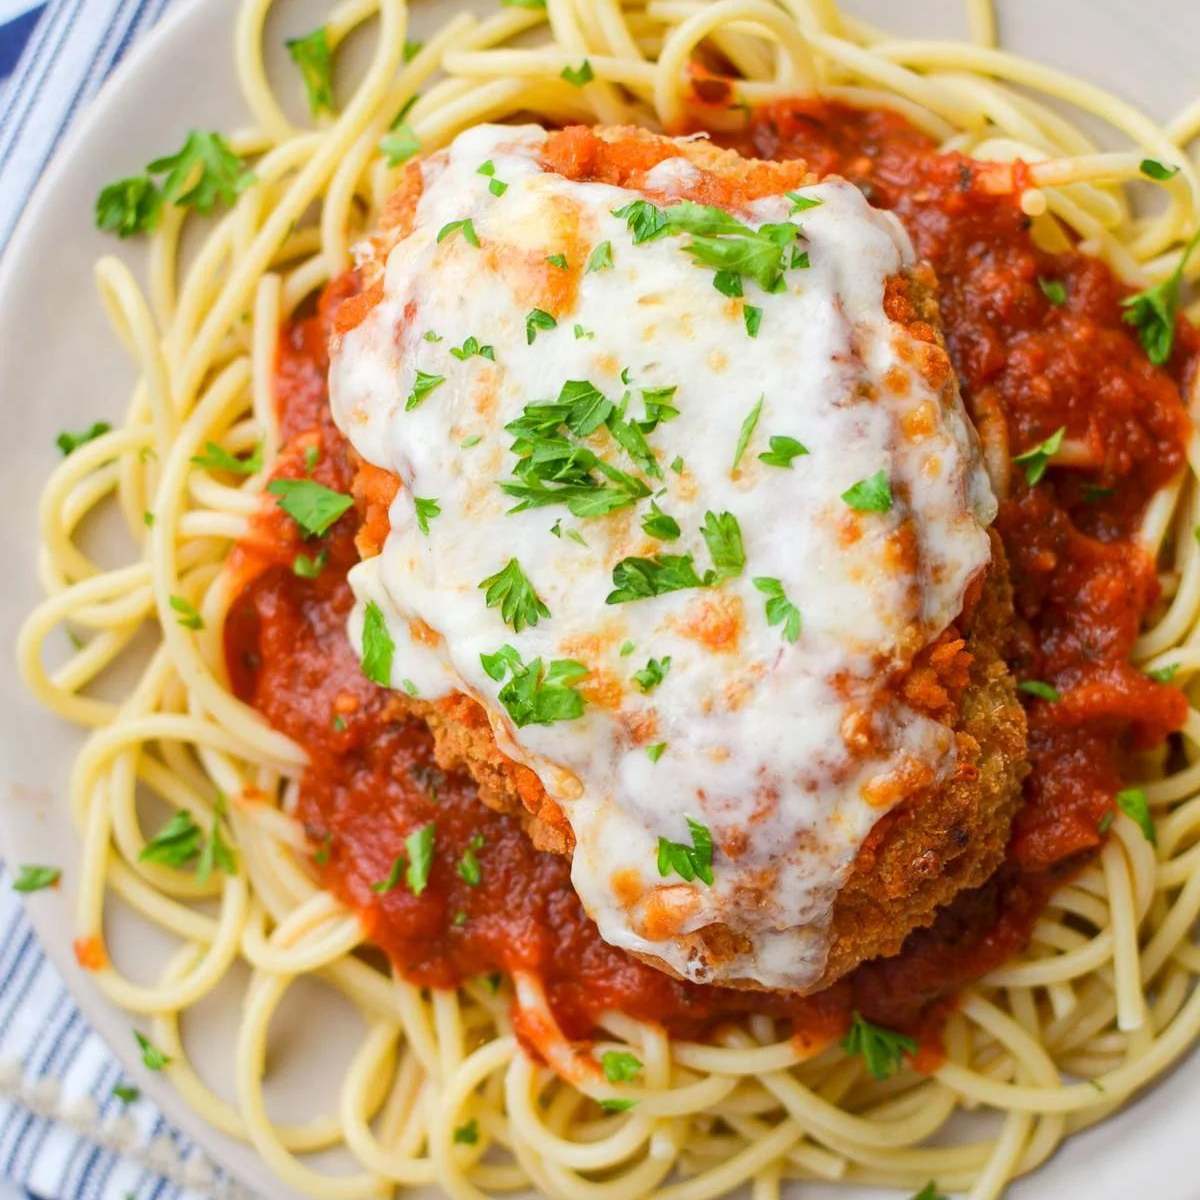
(1082, 588)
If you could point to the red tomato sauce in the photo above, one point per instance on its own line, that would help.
(1081, 584)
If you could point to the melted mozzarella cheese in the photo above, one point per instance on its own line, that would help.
(788, 752)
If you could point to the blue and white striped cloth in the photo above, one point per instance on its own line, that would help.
(63, 1135)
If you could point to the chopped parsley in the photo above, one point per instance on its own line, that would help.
(69, 442)
(883, 1050)
(126, 1093)
(312, 456)
(536, 694)
(1152, 311)
(472, 347)
(1043, 691)
(1037, 458)
(655, 752)
(223, 176)
(657, 402)
(677, 464)
(217, 458)
(311, 54)
(427, 508)
(747, 432)
(616, 1106)
(752, 315)
(534, 4)
(216, 852)
(728, 283)
(312, 505)
(399, 144)
(188, 617)
(659, 524)
(32, 878)
(578, 76)
(689, 862)
(1153, 169)
(176, 843)
(423, 384)
(309, 568)
(653, 673)
(802, 203)
(1054, 290)
(627, 648)
(152, 1057)
(600, 259)
(496, 186)
(779, 609)
(433, 337)
(129, 206)
(620, 1066)
(581, 333)
(412, 689)
(419, 846)
(929, 1192)
(643, 219)
(557, 260)
(537, 319)
(1163, 674)
(1132, 802)
(723, 536)
(392, 880)
(148, 519)
(783, 450)
(873, 494)
(469, 870)
(510, 591)
(466, 227)
(412, 49)
(378, 649)
(468, 442)
(640, 578)
(468, 1134)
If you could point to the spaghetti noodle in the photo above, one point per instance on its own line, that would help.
(440, 1090)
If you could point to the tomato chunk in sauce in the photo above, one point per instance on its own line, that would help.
(1082, 589)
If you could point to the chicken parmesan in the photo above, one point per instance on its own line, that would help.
(677, 535)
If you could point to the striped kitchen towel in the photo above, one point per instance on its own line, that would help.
(64, 1135)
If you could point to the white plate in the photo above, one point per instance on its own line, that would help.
(60, 368)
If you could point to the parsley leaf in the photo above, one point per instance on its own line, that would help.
(468, 1134)
(723, 536)
(68, 442)
(802, 203)
(32, 878)
(510, 590)
(557, 260)
(783, 450)
(535, 694)
(1132, 802)
(689, 862)
(873, 494)
(534, 4)
(655, 752)
(312, 505)
(129, 206)
(126, 1093)
(617, 1106)
(176, 843)
(1152, 311)
(752, 315)
(600, 259)
(216, 853)
(222, 174)
(1037, 458)
(537, 319)
(309, 568)
(423, 384)
(469, 870)
(653, 673)
(728, 283)
(644, 220)
(1163, 674)
(153, 1058)
(929, 1192)
(640, 578)
(188, 617)
(217, 458)
(466, 227)
(747, 432)
(1054, 290)
(578, 76)
(658, 407)
(659, 524)
(419, 846)
(399, 144)
(472, 347)
(1153, 169)
(378, 649)
(1043, 691)
(620, 1066)
(391, 881)
(780, 610)
(882, 1049)
(311, 54)
(427, 509)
